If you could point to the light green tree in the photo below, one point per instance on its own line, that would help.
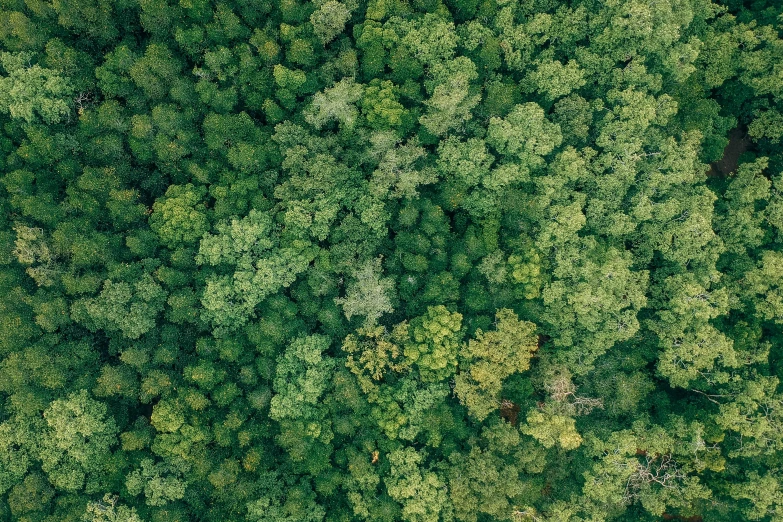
(525, 134)
(31, 92)
(369, 295)
(78, 441)
(434, 343)
(159, 482)
(108, 510)
(335, 103)
(329, 20)
(251, 247)
(488, 359)
(451, 100)
(180, 216)
(130, 308)
(421, 492)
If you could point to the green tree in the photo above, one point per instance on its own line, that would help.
(108, 510)
(180, 217)
(329, 20)
(159, 483)
(434, 343)
(301, 378)
(490, 358)
(76, 445)
(420, 491)
(451, 100)
(370, 295)
(131, 308)
(335, 103)
(31, 92)
(525, 133)
(93, 18)
(260, 265)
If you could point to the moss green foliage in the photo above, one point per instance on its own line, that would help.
(391, 260)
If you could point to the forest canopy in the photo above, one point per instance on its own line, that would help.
(391, 260)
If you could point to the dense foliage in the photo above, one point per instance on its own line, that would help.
(381, 260)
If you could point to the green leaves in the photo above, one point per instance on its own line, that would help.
(281, 503)
(179, 218)
(491, 357)
(108, 510)
(426, 260)
(329, 20)
(31, 92)
(131, 308)
(552, 429)
(159, 485)
(765, 282)
(600, 294)
(421, 492)
(525, 134)
(336, 103)
(648, 464)
(451, 100)
(434, 343)
(76, 444)
(251, 247)
(301, 377)
(369, 295)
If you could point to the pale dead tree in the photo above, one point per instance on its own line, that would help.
(562, 391)
(82, 100)
(656, 469)
(32, 248)
(526, 515)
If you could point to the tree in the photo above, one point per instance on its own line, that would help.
(555, 80)
(491, 357)
(552, 429)
(421, 492)
(156, 72)
(397, 174)
(281, 503)
(525, 134)
(336, 103)
(76, 446)
(760, 495)
(370, 295)
(301, 378)
(764, 280)
(260, 265)
(752, 417)
(31, 498)
(131, 308)
(92, 18)
(158, 481)
(108, 510)
(651, 465)
(31, 92)
(329, 20)
(179, 218)
(740, 226)
(597, 293)
(382, 108)
(434, 343)
(451, 100)
(16, 451)
(480, 482)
